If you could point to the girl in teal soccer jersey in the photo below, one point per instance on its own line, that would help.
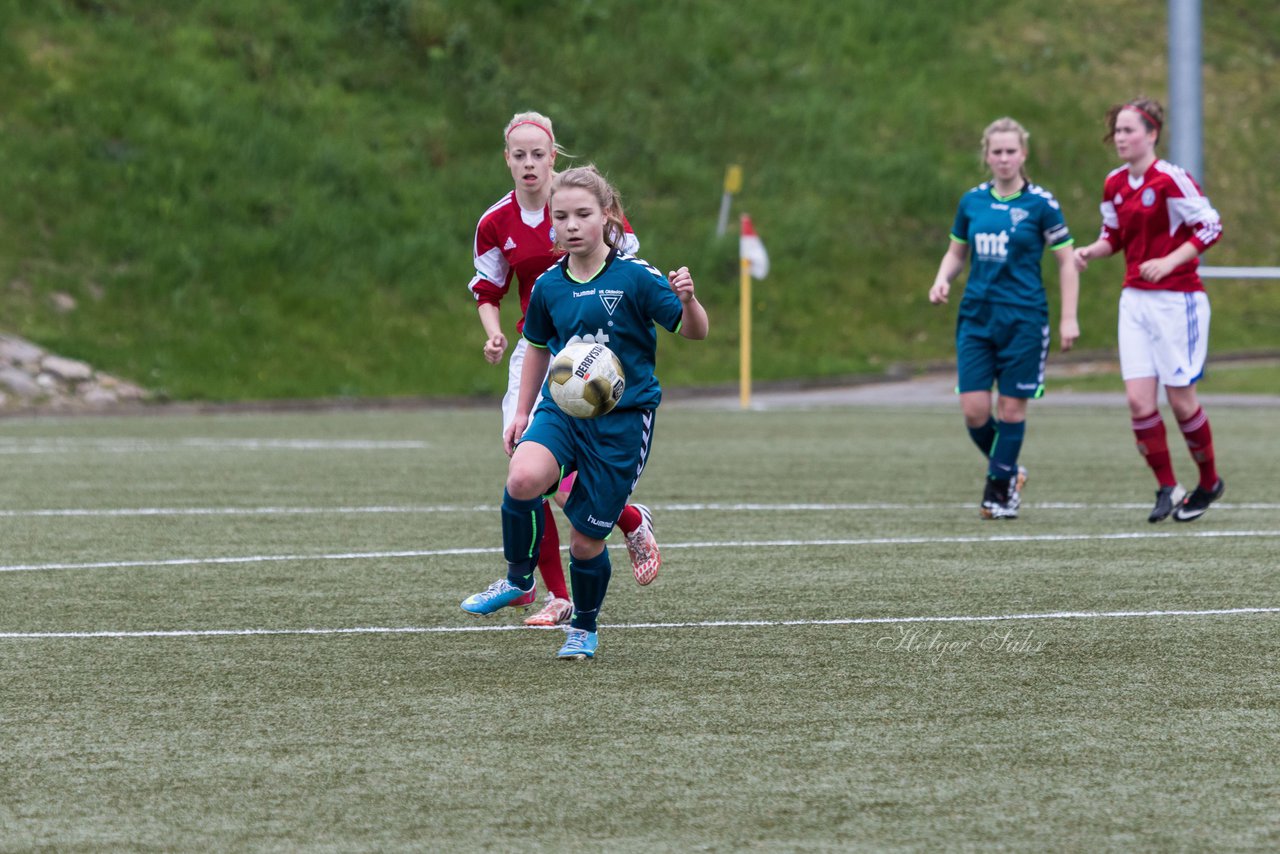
(1002, 328)
(513, 246)
(593, 293)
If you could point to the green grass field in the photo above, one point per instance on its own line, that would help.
(1260, 376)
(241, 632)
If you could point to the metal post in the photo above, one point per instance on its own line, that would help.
(1186, 122)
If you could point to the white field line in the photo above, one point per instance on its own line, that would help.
(90, 512)
(720, 544)
(428, 509)
(706, 624)
(147, 446)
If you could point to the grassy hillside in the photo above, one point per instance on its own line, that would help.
(252, 200)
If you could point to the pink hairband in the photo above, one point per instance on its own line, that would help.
(1147, 115)
(535, 124)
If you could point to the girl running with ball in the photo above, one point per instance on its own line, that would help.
(594, 292)
(513, 242)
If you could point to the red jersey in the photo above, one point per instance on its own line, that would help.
(1151, 216)
(513, 241)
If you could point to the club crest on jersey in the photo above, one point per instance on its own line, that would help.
(509, 245)
(1148, 197)
(1017, 215)
(610, 300)
(553, 235)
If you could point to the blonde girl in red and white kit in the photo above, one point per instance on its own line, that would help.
(1155, 212)
(514, 240)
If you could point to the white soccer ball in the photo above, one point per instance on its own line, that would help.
(586, 379)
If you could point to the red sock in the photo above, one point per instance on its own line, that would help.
(629, 519)
(549, 555)
(1149, 431)
(1200, 442)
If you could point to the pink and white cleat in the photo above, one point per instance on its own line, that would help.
(643, 548)
(556, 612)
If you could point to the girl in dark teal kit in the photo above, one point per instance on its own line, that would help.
(1002, 330)
(593, 294)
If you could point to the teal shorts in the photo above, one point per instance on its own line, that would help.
(608, 453)
(1002, 345)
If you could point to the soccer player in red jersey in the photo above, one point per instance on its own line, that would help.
(1155, 212)
(514, 240)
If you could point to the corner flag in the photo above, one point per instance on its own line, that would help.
(751, 249)
(753, 261)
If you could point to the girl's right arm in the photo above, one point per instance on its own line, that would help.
(1100, 248)
(950, 267)
(495, 342)
(532, 374)
(491, 268)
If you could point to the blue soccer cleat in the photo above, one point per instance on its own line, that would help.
(578, 645)
(498, 595)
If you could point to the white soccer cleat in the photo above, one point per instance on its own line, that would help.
(643, 548)
(1002, 498)
(555, 612)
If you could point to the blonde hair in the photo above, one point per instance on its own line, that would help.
(1149, 111)
(1005, 125)
(589, 178)
(539, 121)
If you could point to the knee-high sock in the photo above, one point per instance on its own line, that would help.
(1004, 453)
(521, 536)
(984, 437)
(549, 565)
(590, 581)
(1199, 438)
(629, 519)
(1154, 447)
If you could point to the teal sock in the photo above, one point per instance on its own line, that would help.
(521, 537)
(984, 437)
(1004, 453)
(590, 580)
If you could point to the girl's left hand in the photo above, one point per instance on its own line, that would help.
(682, 283)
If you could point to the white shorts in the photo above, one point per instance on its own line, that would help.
(1163, 334)
(512, 397)
(509, 400)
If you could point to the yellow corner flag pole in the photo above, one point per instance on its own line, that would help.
(754, 263)
(744, 369)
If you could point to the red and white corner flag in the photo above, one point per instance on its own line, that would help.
(751, 249)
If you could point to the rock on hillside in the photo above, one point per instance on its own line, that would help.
(32, 378)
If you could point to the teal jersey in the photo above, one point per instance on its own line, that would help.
(617, 308)
(1006, 239)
